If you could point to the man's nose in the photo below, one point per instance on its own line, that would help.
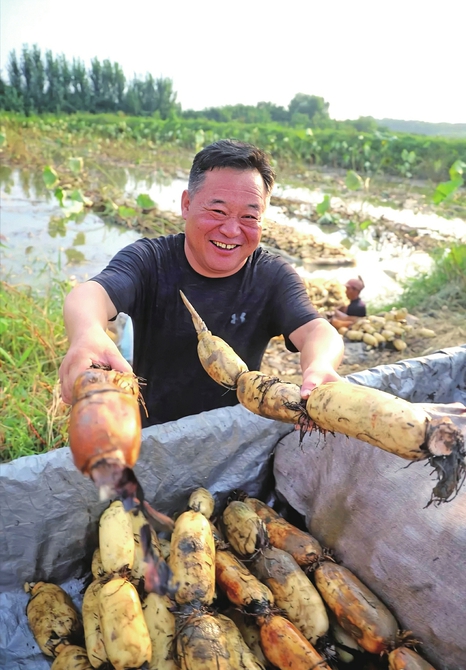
(231, 226)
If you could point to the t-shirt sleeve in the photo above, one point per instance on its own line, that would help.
(129, 277)
(291, 306)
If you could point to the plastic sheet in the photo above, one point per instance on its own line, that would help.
(369, 507)
(49, 511)
(438, 378)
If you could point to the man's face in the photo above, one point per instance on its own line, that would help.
(351, 292)
(223, 221)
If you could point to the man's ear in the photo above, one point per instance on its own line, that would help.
(185, 202)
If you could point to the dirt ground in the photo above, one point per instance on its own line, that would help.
(450, 331)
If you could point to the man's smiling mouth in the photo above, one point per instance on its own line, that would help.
(221, 245)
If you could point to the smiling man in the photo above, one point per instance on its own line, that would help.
(245, 295)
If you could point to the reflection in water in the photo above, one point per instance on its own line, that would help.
(131, 180)
(79, 240)
(6, 178)
(37, 243)
(30, 183)
(74, 256)
(57, 226)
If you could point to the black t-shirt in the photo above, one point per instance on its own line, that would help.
(264, 299)
(356, 308)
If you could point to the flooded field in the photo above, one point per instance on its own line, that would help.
(38, 242)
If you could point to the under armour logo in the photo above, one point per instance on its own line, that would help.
(241, 317)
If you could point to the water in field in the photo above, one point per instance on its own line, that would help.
(37, 243)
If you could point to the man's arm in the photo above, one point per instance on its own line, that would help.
(343, 319)
(321, 349)
(86, 311)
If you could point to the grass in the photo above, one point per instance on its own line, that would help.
(33, 418)
(445, 284)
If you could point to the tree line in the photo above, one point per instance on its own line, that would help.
(51, 84)
(39, 83)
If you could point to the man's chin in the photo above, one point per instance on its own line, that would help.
(221, 269)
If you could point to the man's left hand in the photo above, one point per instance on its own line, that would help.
(315, 376)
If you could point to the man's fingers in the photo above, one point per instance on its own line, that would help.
(306, 392)
(119, 363)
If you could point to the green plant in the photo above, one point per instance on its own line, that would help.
(32, 417)
(444, 284)
(447, 190)
(408, 161)
(339, 146)
(325, 216)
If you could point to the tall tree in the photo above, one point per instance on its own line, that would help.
(66, 93)
(38, 79)
(276, 112)
(107, 103)
(119, 84)
(311, 106)
(26, 66)
(52, 76)
(133, 97)
(165, 97)
(149, 95)
(14, 93)
(14, 72)
(80, 85)
(95, 75)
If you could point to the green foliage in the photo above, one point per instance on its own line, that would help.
(76, 165)
(324, 206)
(446, 190)
(408, 160)
(342, 147)
(457, 169)
(445, 284)
(353, 181)
(32, 417)
(126, 212)
(144, 201)
(50, 176)
(39, 84)
(308, 110)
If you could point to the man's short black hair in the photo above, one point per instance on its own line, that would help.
(230, 154)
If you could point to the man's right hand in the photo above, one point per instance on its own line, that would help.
(93, 348)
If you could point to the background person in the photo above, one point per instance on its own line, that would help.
(244, 294)
(346, 315)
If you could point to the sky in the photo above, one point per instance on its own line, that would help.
(402, 59)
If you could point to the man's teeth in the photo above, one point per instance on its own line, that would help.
(225, 246)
